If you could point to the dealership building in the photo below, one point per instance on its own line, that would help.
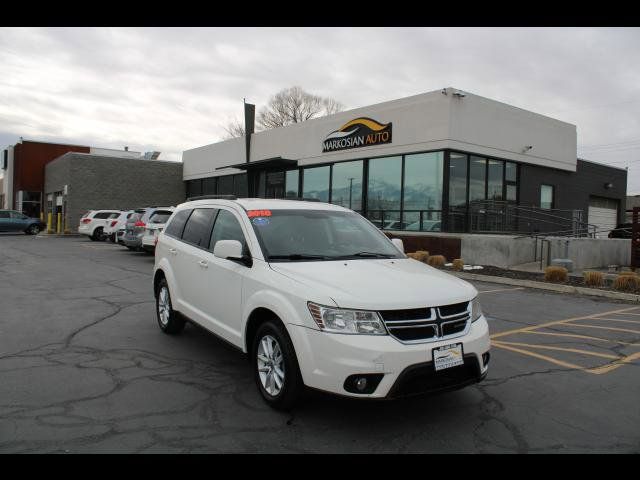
(442, 161)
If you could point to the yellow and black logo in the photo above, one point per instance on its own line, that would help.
(360, 132)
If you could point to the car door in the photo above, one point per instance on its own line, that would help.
(220, 292)
(5, 219)
(188, 263)
(18, 222)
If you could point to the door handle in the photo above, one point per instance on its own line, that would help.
(173, 251)
(203, 264)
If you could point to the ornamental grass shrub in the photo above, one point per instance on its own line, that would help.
(555, 274)
(627, 283)
(458, 264)
(422, 255)
(593, 279)
(437, 260)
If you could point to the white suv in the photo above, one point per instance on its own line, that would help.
(114, 229)
(94, 222)
(318, 297)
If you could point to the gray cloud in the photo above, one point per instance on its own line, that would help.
(172, 89)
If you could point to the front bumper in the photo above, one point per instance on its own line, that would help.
(326, 361)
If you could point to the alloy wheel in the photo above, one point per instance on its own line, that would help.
(164, 306)
(270, 365)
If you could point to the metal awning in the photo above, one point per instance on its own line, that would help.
(275, 162)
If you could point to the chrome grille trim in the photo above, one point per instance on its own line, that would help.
(435, 321)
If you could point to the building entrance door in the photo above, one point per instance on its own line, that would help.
(275, 185)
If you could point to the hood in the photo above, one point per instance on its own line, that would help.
(379, 284)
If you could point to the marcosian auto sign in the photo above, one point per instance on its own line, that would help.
(360, 132)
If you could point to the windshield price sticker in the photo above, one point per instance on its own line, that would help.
(258, 213)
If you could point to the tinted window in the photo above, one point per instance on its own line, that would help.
(18, 215)
(160, 216)
(458, 180)
(346, 184)
(315, 183)
(225, 185)
(176, 226)
(227, 227)
(198, 228)
(477, 175)
(494, 183)
(4, 214)
(546, 196)
(291, 183)
(103, 215)
(241, 185)
(423, 181)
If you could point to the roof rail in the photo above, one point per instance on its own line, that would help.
(213, 197)
(304, 199)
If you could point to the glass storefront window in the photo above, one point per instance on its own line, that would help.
(477, 175)
(194, 188)
(431, 221)
(241, 185)
(291, 183)
(315, 183)
(225, 185)
(423, 181)
(209, 186)
(512, 193)
(511, 172)
(494, 183)
(346, 184)
(458, 180)
(546, 196)
(383, 200)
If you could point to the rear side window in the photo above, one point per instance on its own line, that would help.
(197, 231)
(103, 215)
(227, 227)
(175, 228)
(160, 216)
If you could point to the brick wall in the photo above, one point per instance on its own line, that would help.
(99, 182)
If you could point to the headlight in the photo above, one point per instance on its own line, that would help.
(476, 310)
(338, 320)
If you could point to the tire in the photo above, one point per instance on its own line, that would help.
(169, 320)
(97, 234)
(292, 388)
(33, 230)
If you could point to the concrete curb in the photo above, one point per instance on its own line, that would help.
(549, 286)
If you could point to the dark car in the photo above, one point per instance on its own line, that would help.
(623, 230)
(12, 221)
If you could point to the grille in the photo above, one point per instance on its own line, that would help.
(424, 324)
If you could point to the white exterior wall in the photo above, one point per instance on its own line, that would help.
(429, 121)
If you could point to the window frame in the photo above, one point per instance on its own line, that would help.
(553, 196)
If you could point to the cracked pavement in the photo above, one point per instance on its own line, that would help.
(84, 368)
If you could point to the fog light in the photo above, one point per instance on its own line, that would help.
(485, 358)
(361, 384)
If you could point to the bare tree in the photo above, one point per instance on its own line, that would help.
(288, 106)
(294, 105)
(234, 129)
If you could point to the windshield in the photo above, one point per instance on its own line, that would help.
(315, 235)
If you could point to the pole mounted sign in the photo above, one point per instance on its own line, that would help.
(359, 132)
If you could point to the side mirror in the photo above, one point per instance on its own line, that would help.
(398, 243)
(231, 250)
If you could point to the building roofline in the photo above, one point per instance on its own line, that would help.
(600, 163)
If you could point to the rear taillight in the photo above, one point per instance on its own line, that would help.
(140, 224)
(86, 220)
(113, 224)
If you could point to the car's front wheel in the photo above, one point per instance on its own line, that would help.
(33, 230)
(169, 320)
(275, 366)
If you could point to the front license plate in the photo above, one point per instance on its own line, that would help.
(448, 356)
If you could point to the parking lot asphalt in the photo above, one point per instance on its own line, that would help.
(85, 368)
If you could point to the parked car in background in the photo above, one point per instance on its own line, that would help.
(623, 230)
(427, 226)
(136, 225)
(12, 221)
(115, 226)
(155, 225)
(93, 222)
(317, 297)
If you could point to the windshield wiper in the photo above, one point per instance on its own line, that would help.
(369, 255)
(299, 256)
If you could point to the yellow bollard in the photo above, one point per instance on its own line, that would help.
(59, 223)
(48, 222)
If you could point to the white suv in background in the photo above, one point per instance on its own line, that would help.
(154, 226)
(94, 222)
(114, 229)
(318, 297)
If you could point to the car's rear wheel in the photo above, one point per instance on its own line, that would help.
(169, 320)
(33, 230)
(98, 235)
(275, 366)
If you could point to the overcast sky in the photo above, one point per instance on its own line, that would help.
(172, 89)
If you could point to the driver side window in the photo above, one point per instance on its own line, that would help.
(227, 227)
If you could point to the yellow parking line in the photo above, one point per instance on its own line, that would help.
(501, 290)
(558, 322)
(563, 349)
(537, 355)
(628, 313)
(637, 322)
(614, 365)
(603, 328)
(586, 337)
